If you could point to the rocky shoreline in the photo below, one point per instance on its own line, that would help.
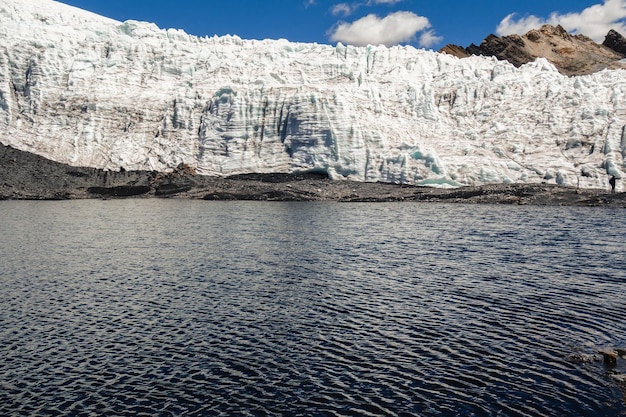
(25, 176)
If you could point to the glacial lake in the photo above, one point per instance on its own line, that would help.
(169, 307)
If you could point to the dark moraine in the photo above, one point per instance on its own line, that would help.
(24, 176)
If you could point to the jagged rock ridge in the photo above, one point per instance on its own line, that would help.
(571, 54)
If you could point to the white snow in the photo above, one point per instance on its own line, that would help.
(86, 90)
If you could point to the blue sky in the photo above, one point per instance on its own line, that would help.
(429, 24)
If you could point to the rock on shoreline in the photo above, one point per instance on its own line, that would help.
(25, 176)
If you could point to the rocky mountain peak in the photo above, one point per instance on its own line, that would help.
(616, 42)
(570, 54)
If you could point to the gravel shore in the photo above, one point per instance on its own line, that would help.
(25, 176)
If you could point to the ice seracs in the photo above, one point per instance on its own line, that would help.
(86, 90)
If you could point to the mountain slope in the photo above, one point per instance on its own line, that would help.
(570, 54)
(88, 91)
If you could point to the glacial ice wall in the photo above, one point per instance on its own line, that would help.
(85, 90)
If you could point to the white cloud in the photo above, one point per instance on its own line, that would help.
(428, 39)
(347, 9)
(594, 21)
(510, 26)
(391, 30)
(342, 9)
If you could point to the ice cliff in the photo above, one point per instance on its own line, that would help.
(89, 91)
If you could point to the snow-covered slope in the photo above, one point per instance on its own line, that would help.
(86, 90)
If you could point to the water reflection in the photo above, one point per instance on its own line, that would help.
(172, 307)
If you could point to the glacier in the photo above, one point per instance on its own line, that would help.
(86, 90)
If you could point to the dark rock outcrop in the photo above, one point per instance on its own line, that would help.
(171, 189)
(509, 48)
(570, 54)
(120, 190)
(616, 42)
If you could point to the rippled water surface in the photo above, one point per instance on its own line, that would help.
(161, 307)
